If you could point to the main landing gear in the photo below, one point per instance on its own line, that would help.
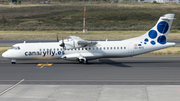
(13, 61)
(84, 61)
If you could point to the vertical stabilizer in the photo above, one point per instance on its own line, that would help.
(159, 33)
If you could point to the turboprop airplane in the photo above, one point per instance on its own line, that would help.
(81, 50)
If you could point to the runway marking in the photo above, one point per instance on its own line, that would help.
(11, 87)
(44, 64)
(178, 88)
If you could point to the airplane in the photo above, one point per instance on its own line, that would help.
(77, 49)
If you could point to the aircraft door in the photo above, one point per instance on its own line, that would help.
(130, 48)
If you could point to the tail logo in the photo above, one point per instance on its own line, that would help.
(162, 28)
(152, 34)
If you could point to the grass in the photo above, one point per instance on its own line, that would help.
(106, 17)
(166, 51)
(3, 49)
(91, 35)
(51, 35)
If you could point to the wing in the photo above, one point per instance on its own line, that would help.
(81, 42)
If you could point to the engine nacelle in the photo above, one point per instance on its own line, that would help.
(75, 57)
(70, 44)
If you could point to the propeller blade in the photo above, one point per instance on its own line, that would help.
(62, 44)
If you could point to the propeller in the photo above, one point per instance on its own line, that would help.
(62, 44)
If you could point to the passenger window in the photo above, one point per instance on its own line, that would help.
(89, 48)
(100, 48)
(104, 48)
(117, 47)
(124, 47)
(97, 48)
(111, 48)
(114, 47)
(121, 47)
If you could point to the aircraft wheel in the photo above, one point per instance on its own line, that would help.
(85, 62)
(81, 60)
(13, 62)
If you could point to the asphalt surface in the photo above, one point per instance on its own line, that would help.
(12, 42)
(140, 70)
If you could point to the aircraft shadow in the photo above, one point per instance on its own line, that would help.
(122, 64)
(111, 62)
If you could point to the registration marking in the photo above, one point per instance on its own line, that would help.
(41, 65)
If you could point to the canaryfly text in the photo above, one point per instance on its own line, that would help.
(43, 53)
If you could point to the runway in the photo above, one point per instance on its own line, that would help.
(140, 78)
(139, 70)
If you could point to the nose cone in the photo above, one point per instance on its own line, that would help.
(5, 55)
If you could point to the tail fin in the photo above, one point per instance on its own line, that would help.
(159, 33)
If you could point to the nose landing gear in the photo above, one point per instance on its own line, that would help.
(13, 61)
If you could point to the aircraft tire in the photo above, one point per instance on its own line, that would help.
(81, 60)
(85, 62)
(13, 62)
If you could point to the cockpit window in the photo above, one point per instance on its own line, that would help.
(15, 47)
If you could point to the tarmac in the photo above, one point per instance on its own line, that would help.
(140, 78)
(91, 93)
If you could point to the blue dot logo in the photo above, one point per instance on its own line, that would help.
(163, 27)
(152, 34)
(59, 52)
(153, 42)
(161, 39)
(146, 40)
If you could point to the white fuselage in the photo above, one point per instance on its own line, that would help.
(104, 49)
